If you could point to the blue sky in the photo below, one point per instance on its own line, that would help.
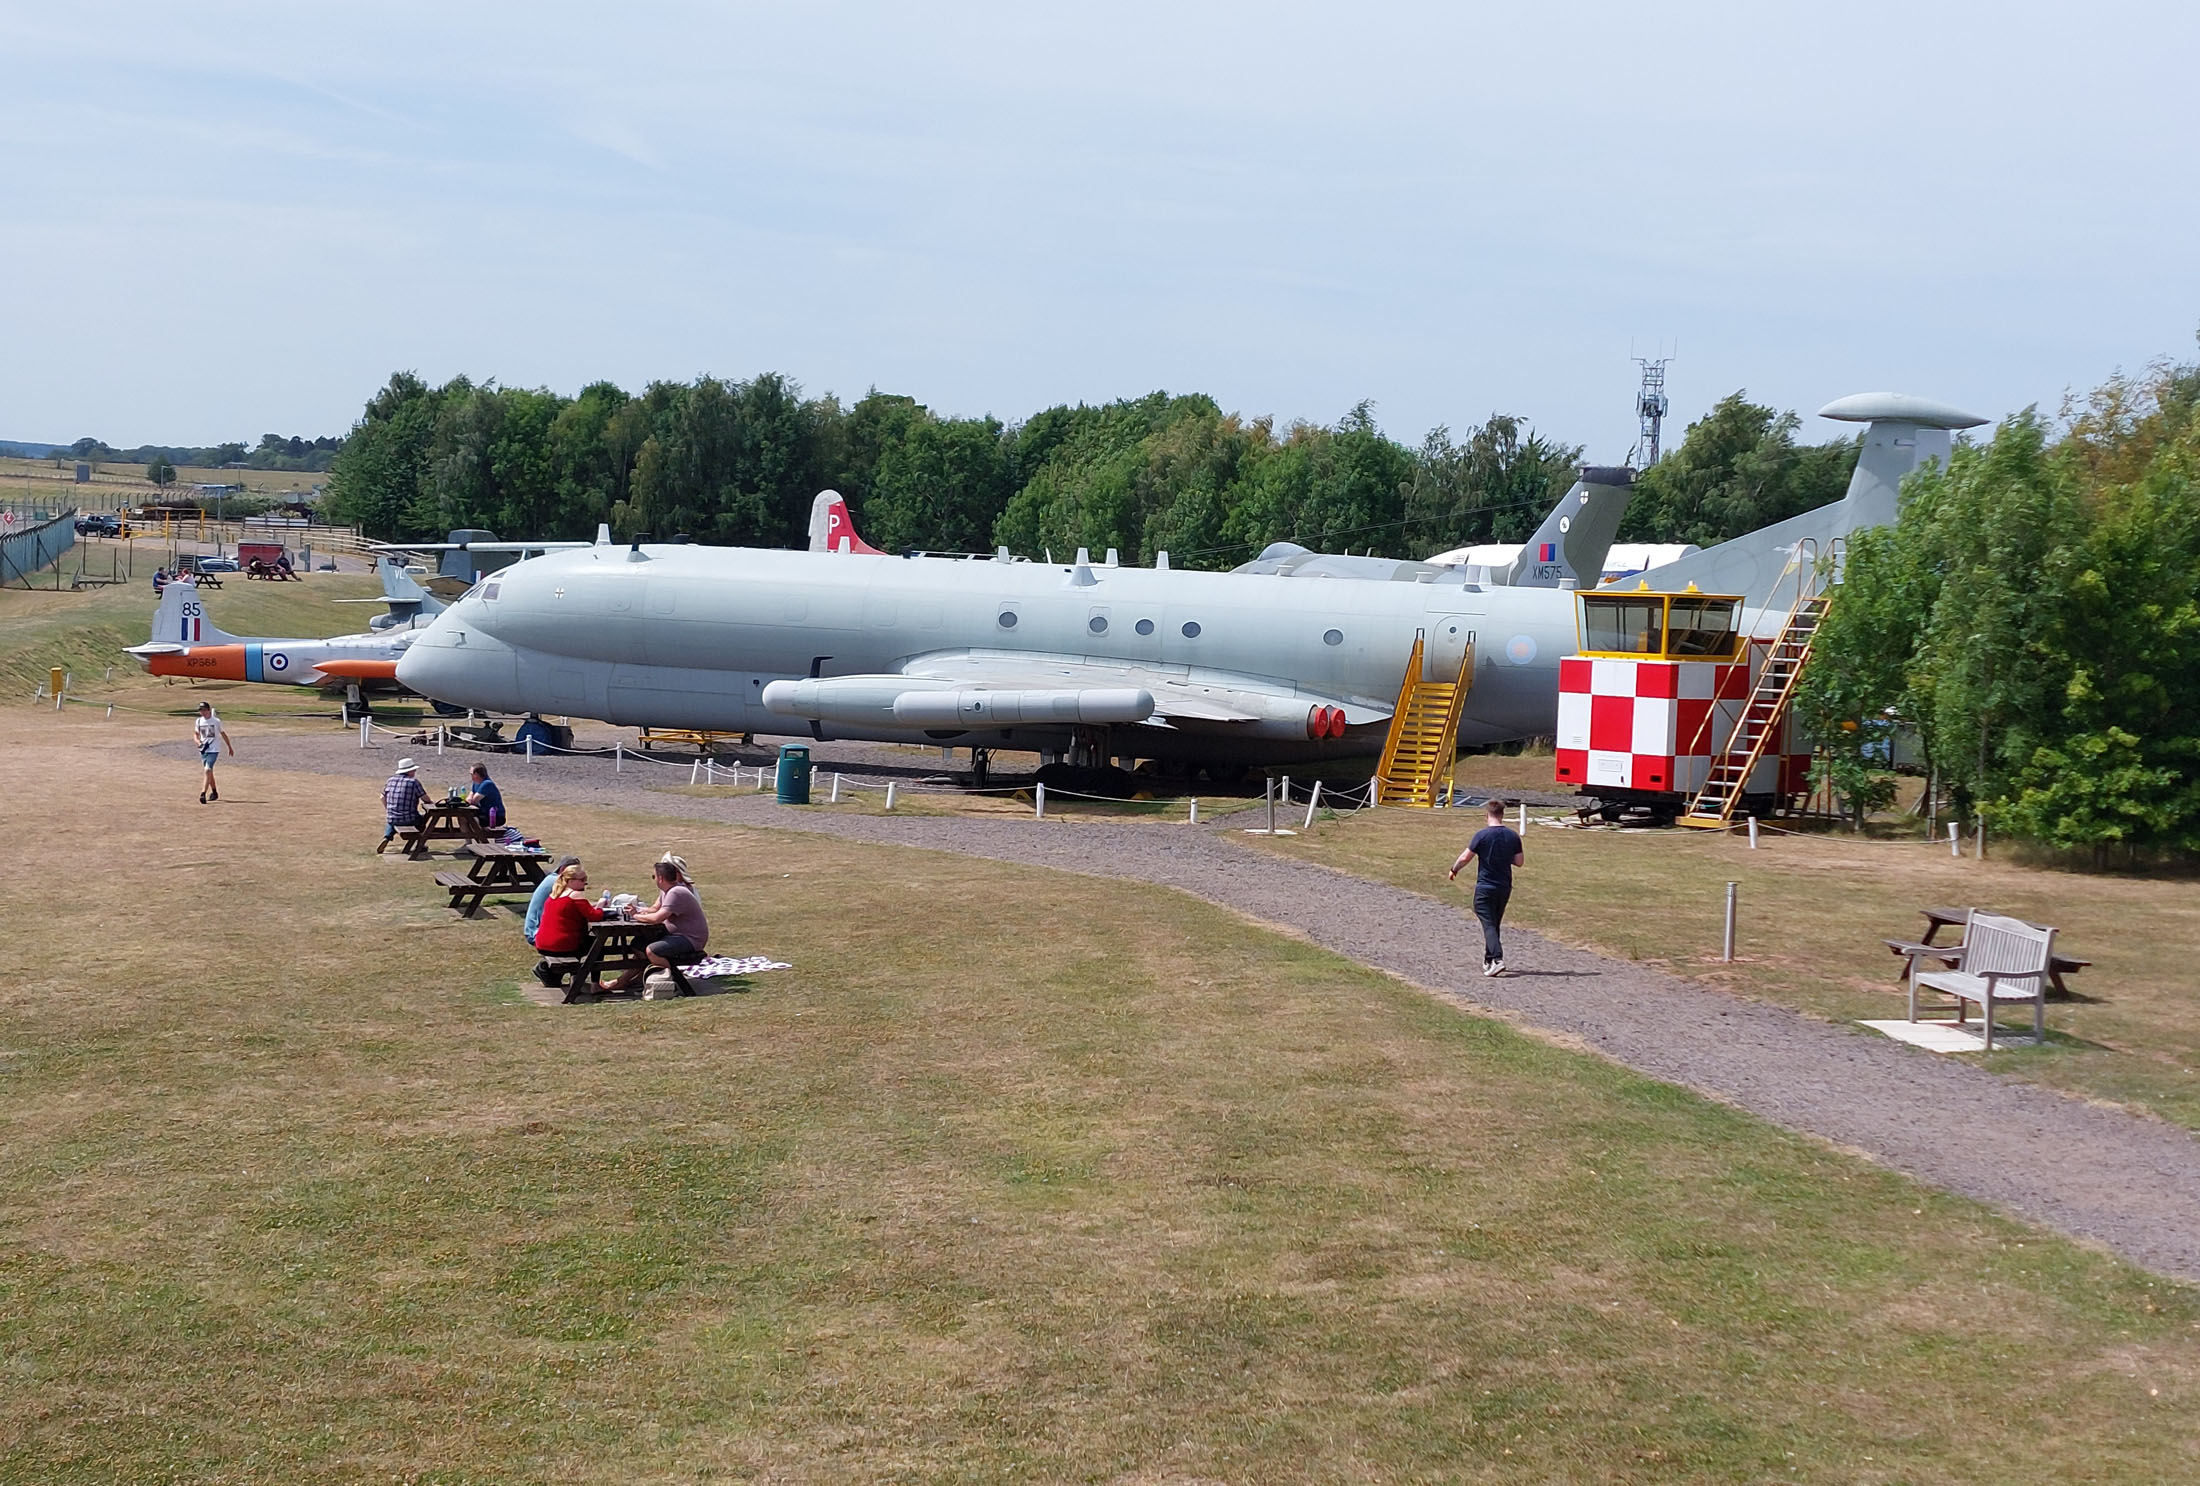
(229, 219)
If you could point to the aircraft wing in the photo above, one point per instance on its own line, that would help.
(975, 688)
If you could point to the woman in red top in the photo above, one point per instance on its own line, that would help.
(566, 915)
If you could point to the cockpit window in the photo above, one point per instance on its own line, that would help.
(488, 591)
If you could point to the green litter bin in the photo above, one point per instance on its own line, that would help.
(794, 774)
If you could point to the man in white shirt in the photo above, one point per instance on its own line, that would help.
(211, 737)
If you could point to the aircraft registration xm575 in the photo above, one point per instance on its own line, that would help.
(1087, 661)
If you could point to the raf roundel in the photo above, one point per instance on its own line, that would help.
(1520, 650)
(278, 662)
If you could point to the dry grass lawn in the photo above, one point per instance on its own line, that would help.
(1015, 1175)
(1813, 912)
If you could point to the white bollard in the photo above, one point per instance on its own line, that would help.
(1523, 817)
(1955, 842)
(366, 725)
(110, 710)
(835, 800)
(1286, 797)
(759, 778)
(889, 794)
(1753, 833)
(618, 757)
(1313, 803)
(1195, 810)
(1040, 795)
(695, 773)
(1728, 952)
(439, 740)
(710, 773)
(530, 748)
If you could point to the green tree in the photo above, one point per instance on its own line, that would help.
(1495, 487)
(1738, 469)
(161, 472)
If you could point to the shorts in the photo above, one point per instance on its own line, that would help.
(675, 949)
(209, 756)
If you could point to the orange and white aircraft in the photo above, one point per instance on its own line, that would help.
(186, 643)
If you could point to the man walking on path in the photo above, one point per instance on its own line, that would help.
(211, 737)
(1496, 850)
(402, 799)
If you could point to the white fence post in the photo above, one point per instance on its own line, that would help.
(710, 772)
(1523, 817)
(366, 725)
(835, 800)
(1286, 791)
(695, 773)
(1195, 810)
(1753, 833)
(618, 757)
(1955, 842)
(1040, 796)
(889, 794)
(1313, 803)
(439, 740)
(530, 748)
(1727, 953)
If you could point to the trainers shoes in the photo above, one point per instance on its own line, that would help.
(1497, 967)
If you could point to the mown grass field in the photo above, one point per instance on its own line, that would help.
(1014, 1176)
(1814, 909)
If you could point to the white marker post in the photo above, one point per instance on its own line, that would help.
(1039, 798)
(710, 773)
(1287, 792)
(889, 794)
(366, 725)
(439, 740)
(1955, 842)
(1753, 833)
(618, 757)
(1313, 803)
(1727, 953)
(1523, 817)
(835, 800)
(695, 773)
(1195, 810)
(530, 748)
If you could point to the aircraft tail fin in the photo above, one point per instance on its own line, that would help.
(832, 529)
(1567, 550)
(180, 619)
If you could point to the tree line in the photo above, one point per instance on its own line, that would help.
(738, 462)
(273, 452)
(2033, 619)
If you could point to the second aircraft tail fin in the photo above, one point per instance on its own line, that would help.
(832, 529)
(180, 619)
(1567, 550)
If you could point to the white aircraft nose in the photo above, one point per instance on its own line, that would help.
(458, 663)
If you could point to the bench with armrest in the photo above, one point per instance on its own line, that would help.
(1936, 919)
(2000, 959)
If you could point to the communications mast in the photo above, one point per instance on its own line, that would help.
(1650, 407)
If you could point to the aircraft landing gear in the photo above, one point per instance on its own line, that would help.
(981, 765)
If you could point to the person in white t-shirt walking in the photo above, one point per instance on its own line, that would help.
(211, 737)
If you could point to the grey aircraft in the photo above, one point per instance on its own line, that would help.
(1081, 661)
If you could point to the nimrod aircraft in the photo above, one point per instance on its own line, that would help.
(1085, 660)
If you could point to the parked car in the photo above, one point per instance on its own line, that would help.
(99, 524)
(217, 565)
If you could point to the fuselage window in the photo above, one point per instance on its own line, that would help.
(1098, 624)
(1144, 626)
(1191, 629)
(1008, 619)
(1333, 637)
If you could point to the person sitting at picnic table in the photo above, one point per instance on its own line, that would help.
(402, 801)
(687, 932)
(160, 580)
(566, 915)
(484, 796)
(543, 890)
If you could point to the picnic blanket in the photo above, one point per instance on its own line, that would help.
(721, 965)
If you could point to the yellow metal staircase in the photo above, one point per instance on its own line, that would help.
(1714, 805)
(1424, 733)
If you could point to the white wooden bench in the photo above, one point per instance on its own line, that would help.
(2003, 959)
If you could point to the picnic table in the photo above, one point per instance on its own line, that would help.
(1937, 919)
(497, 868)
(615, 945)
(442, 820)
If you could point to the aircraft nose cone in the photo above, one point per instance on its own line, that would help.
(460, 664)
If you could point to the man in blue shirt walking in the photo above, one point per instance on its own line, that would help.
(1496, 849)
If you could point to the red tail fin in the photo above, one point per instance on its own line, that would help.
(832, 529)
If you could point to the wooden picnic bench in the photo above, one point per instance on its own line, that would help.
(2000, 959)
(615, 945)
(441, 820)
(497, 868)
(1937, 919)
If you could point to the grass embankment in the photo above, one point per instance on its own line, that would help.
(1813, 911)
(1015, 1175)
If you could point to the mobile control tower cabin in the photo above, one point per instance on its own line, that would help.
(1655, 695)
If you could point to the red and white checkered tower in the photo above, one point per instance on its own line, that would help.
(1654, 696)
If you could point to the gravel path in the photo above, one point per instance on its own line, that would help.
(2128, 1183)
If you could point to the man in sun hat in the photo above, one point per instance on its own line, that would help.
(402, 799)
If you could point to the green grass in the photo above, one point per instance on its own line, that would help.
(1015, 1175)
(1813, 910)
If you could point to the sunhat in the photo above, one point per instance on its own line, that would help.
(406, 766)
